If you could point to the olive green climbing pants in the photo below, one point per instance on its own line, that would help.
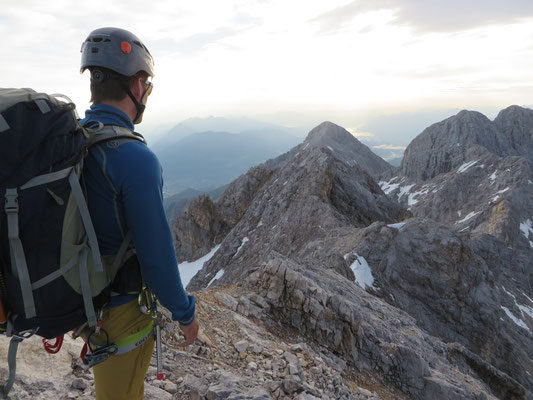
(122, 377)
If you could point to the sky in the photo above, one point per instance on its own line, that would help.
(358, 63)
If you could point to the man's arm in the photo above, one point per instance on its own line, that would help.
(142, 197)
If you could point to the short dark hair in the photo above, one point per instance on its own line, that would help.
(112, 87)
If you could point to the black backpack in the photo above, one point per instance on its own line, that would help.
(52, 276)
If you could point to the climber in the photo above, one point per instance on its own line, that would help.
(124, 195)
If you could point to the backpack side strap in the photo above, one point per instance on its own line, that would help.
(4, 126)
(12, 364)
(86, 218)
(122, 251)
(18, 258)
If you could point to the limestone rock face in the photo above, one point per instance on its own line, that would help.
(367, 333)
(448, 144)
(457, 288)
(472, 175)
(516, 124)
(205, 223)
(197, 228)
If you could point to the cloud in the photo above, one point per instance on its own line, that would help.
(197, 42)
(388, 152)
(335, 19)
(431, 16)
(244, 19)
(389, 147)
(359, 134)
(194, 44)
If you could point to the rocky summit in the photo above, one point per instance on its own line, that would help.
(328, 274)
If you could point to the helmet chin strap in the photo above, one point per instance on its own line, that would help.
(139, 106)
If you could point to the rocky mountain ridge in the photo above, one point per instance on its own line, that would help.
(318, 217)
(275, 185)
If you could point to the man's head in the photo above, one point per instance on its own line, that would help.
(120, 66)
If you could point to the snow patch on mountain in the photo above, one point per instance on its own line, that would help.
(189, 269)
(362, 272)
(468, 217)
(463, 168)
(516, 320)
(527, 228)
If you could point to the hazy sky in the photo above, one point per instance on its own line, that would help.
(290, 61)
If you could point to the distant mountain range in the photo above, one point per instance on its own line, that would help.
(207, 160)
(206, 153)
(219, 124)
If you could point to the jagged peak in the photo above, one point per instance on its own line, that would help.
(346, 147)
(470, 115)
(460, 123)
(513, 111)
(330, 130)
(461, 126)
(446, 145)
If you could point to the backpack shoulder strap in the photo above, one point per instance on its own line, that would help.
(102, 133)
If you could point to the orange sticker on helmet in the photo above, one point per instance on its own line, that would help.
(126, 47)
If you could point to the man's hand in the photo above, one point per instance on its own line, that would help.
(190, 332)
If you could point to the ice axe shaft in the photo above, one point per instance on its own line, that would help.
(160, 374)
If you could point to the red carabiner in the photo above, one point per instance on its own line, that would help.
(55, 347)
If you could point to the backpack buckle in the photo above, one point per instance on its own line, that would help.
(12, 202)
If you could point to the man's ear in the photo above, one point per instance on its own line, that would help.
(137, 88)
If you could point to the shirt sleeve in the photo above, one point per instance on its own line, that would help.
(142, 197)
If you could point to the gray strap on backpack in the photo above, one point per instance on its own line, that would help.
(56, 274)
(12, 363)
(86, 288)
(122, 251)
(4, 126)
(47, 178)
(18, 259)
(86, 218)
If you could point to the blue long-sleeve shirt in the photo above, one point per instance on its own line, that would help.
(129, 197)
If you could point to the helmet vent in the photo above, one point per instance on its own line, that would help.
(142, 46)
(98, 40)
(139, 44)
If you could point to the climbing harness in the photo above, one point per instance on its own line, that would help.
(96, 351)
